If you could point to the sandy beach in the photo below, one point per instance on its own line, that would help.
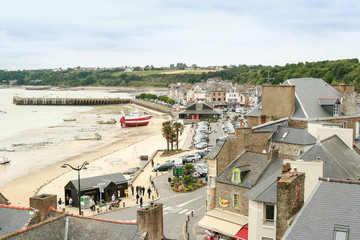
(118, 150)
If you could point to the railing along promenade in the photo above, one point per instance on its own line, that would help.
(68, 101)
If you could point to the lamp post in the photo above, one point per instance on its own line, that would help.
(78, 169)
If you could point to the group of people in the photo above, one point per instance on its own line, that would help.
(140, 191)
(70, 201)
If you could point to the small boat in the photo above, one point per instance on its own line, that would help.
(135, 119)
(7, 149)
(69, 119)
(4, 160)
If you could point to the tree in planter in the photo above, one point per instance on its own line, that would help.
(178, 129)
(187, 172)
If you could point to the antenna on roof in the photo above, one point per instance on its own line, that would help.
(269, 78)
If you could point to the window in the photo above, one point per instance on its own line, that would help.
(236, 201)
(269, 213)
(212, 181)
(336, 110)
(236, 176)
(341, 232)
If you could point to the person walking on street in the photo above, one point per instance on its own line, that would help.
(137, 189)
(70, 202)
(143, 190)
(152, 162)
(137, 198)
(113, 198)
(141, 201)
(132, 190)
(60, 202)
(149, 192)
(140, 190)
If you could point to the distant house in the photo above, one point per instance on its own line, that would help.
(334, 203)
(305, 100)
(197, 111)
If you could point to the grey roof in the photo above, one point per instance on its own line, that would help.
(215, 152)
(270, 126)
(199, 108)
(256, 162)
(80, 228)
(290, 135)
(330, 205)
(12, 219)
(89, 183)
(255, 112)
(339, 160)
(327, 101)
(307, 92)
(265, 189)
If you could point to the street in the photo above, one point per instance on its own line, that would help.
(176, 208)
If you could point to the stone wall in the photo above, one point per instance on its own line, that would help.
(154, 106)
(349, 103)
(227, 191)
(287, 150)
(290, 199)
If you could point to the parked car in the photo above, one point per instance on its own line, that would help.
(201, 171)
(164, 167)
(191, 158)
(201, 145)
(176, 161)
(202, 153)
(131, 171)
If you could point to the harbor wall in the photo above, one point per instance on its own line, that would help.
(68, 101)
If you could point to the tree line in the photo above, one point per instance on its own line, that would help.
(333, 72)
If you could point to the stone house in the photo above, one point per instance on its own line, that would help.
(228, 208)
(305, 100)
(291, 142)
(41, 221)
(217, 94)
(335, 203)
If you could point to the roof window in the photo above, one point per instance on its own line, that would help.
(341, 232)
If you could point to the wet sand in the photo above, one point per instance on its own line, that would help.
(103, 156)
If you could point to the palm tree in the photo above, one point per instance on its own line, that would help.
(167, 133)
(178, 129)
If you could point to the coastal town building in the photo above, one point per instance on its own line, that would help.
(305, 100)
(335, 202)
(197, 111)
(42, 221)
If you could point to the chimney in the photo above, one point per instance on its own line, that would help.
(150, 220)
(43, 204)
(272, 154)
(290, 199)
(349, 103)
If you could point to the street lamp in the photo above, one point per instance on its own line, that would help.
(78, 169)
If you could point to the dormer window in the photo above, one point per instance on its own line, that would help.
(236, 175)
(341, 232)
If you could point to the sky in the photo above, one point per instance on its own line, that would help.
(40, 34)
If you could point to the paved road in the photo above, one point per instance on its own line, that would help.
(176, 208)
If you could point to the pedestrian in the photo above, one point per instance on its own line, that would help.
(70, 202)
(137, 198)
(140, 190)
(152, 162)
(143, 190)
(141, 201)
(137, 189)
(60, 202)
(132, 190)
(113, 198)
(92, 204)
(149, 192)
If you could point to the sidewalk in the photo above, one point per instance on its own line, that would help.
(143, 179)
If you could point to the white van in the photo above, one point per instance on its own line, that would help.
(177, 161)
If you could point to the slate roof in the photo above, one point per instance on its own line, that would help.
(327, 101)
(215, 152)
(13, 218)
(199, 108)
(330, 205)
(255, 112)
(89, 183)
(257, 163)
(265, 189)
(339, 160)
(270, 126)
(307, 92)
(79, 228)
(290, 135)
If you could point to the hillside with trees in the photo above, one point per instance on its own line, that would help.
(333, 72)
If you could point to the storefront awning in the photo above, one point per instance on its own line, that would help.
(242, 234)
(223, 222)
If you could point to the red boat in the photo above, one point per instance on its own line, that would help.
(135, 119)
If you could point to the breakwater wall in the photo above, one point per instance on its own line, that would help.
(154, 106)
(68, 101)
